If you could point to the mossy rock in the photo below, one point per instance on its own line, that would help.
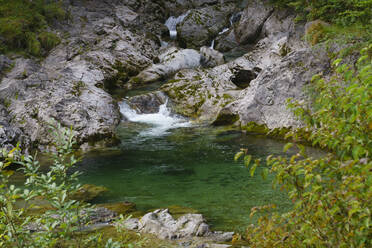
(124, 208)
(88, 192)
(178, 211)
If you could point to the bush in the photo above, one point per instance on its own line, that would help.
(332, 195)
(23, 24)
(60, 224)
(344, 12)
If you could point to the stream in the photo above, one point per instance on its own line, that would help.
(166, 160)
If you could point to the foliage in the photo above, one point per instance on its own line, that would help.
(61, 224)
(332, 194)
(344, 12)
(23, 25)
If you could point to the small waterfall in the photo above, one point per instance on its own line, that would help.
(212, 45)
(161, 122)
(172, 23)
(224, 31)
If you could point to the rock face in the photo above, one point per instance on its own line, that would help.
(66, 87)
(255, 87)
(252, 20)
(163, 225)
(201, 25)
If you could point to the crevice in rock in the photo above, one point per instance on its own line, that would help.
(242, 77)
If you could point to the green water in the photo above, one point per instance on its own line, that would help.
(191, 167)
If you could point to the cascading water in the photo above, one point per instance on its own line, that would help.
(172, 23)
(160, 122)
(212, 45)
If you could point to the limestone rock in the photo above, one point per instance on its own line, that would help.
(170, 62)
(252, 20)
(210, 57)
(201, 25)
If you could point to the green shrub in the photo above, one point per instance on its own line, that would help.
(344, 12)
(23, 24)
(332, 195)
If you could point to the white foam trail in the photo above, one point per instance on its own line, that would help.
(172, 23)
(161, 122)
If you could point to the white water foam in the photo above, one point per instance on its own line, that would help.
(172, 22)
(212, 45)
(161, 122)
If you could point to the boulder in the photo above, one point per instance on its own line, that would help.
(210, 57)
(252, 20)
(201, 25)
(170, 62)
(161, 223)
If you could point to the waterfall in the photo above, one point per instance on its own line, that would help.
(172, 22)
(160, 122)
(212, 45)
(224, 31)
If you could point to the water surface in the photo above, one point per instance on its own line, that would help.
(185, 165)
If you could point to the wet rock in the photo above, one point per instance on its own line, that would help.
(123, 208)
(252, 20)
(88, 192)
(147, 103)
(210, 57)
(226, 41)
(201, 25)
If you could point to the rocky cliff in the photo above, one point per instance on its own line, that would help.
(253, 58)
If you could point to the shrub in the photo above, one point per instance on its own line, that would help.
(332, 195)
(23, 24)
(344, 12)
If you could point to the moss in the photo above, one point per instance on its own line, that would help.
(88, 192)
(124, 208)
(177, 211)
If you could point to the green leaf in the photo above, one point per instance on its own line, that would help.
(264, 174)
(287, 146)
(238, 155)
(247, 160)
(253, 169)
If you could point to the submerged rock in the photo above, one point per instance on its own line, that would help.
(88, 192)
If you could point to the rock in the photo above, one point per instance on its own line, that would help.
(68, 85)
(123, 208)
(147, 103)
(5, 64)
(187, 227)
(171, 61)
(131, 224)
(88, 192)
(264, 101)
(210, 57)
(252, 20)
(201, 25)
(243, 77)
(227, 41)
